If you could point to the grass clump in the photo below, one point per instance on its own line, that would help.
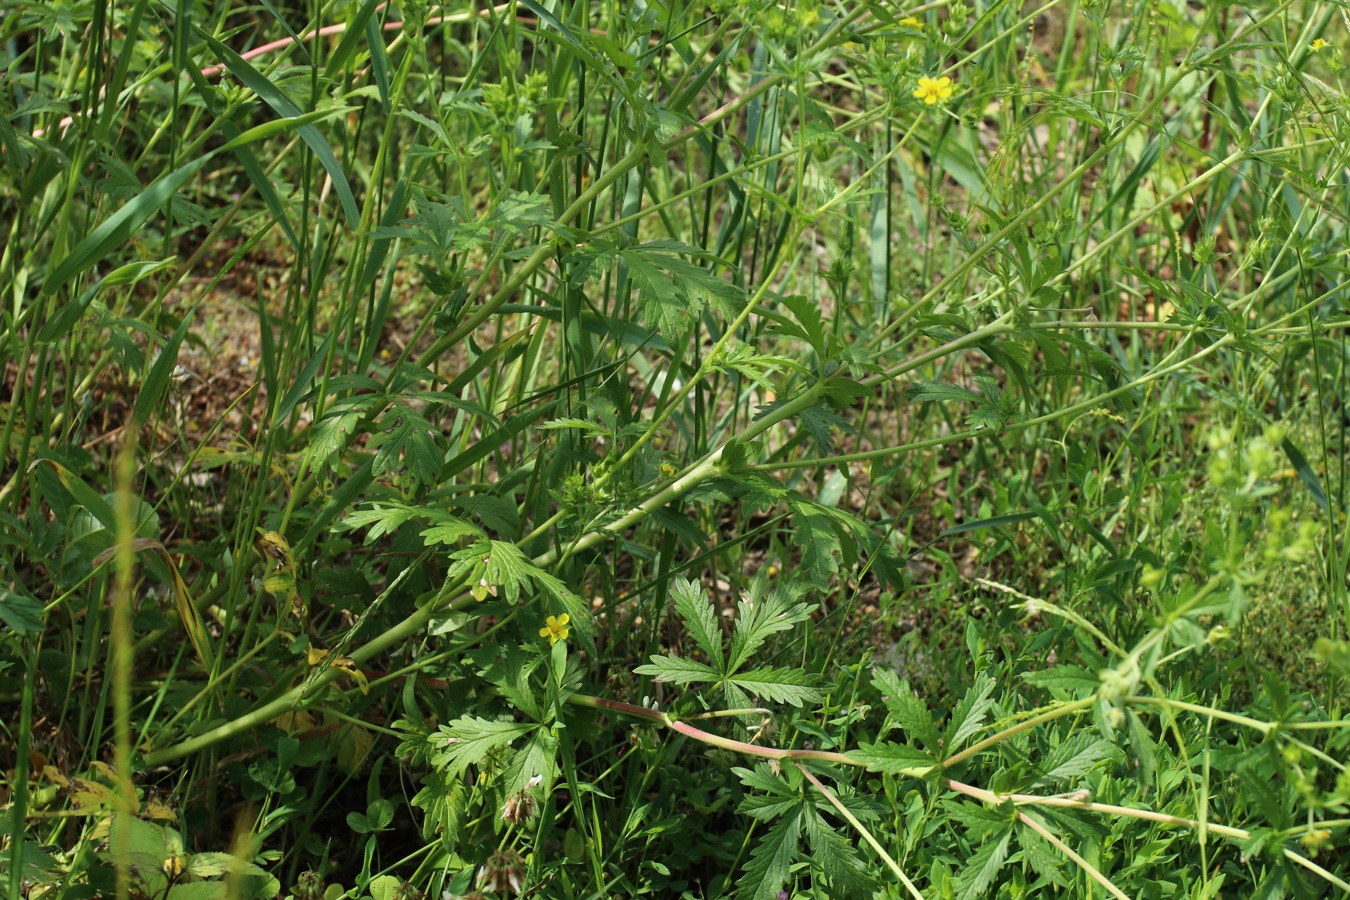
(707, 450)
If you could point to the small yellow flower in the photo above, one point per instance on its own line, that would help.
(556, 629)
(911, 22)
(667, 469)
(931, 90)
(1317, 45)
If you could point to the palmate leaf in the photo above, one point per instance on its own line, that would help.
(820, 422)
(761, 614)
(766, 809)
(700, 619)
(771, 860)
(1071, 680)
(408, 444)
(814, 533)
(762, 778)
(781, 685)
(468, 740)
(837, 857)
(381, 520)
(538, 759)
(386, 518)
(906, 708)
(672, 291)
(333, 433)
(676, 670)
(778, 798)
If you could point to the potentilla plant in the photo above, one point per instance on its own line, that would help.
(734, 449)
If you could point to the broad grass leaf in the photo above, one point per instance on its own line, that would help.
(157, 379)
(65, 318)
(120, 225)
(284, 106)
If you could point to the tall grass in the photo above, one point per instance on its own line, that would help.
(594, 449)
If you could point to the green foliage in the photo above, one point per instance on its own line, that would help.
(761, 614)
(708, 450)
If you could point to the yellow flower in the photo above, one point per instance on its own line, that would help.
(1317, 45)
(556, 629)
(911, 22)
(931, 90)
(667, 469)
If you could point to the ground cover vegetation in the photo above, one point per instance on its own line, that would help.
(715, 449)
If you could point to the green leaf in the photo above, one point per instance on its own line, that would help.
(894, 759)
(700, 618)
(332, 434)
(285, 107)
(408, 444)
(381, 520)
(1071, 680)
(814, 532)
(761, 614)
(23, 615)
(766, 809)
(157, 379)
(821, 422)
(538, 759)
(446, 529)
(906, 708)
(672, 291)
(1043, 859)
(1072, 758)
(1305, 472)
(65, 319)
(771, 860)
(676, 670)
(210, 865)
(120, 225)
(979, 820)
(356, 31)
(781, 685)
(983, 867)
(200, 890)
(468, 740)
(990, 522)
(838, 858)
(968, 717)
(928, 392)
